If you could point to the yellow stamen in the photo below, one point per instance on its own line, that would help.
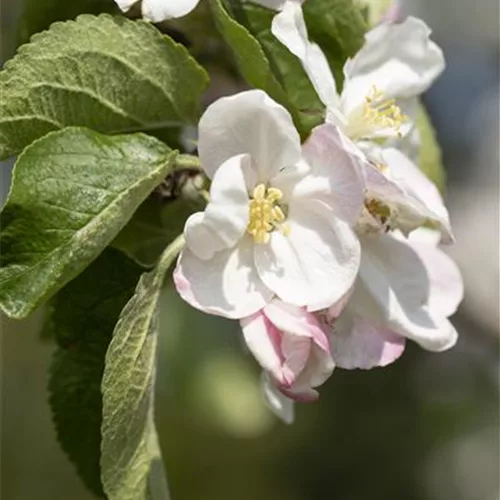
(265, 214)
(382, 167)
(378, 210)
(384, 114)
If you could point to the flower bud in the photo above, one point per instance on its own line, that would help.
(292, 346)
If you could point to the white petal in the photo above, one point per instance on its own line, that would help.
(336, 176)
(447, 288)
(280, 405)
(290, 29)
(248, 123)
(357, 343)
(125, 5)
(399, 59)
(157, 11)
(296, 352)
(296, 320)
(227, 285)
(264, 341)
(394, 290)
(422, 196)
(203, 240)
(226, 216)
(425, 236)
(336, 309)
(314, 265)
(319, 368)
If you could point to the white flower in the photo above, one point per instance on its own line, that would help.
(293, 348)
(157, 11)
(396, 64)
(400, 196)
(381, 82)
(278, 221)
(406, 288)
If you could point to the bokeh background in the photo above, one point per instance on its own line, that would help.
(425, 428)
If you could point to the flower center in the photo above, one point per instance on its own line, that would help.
(379, 210)
(375, 114)
(265, 213)
(375, 218)
(383, 114)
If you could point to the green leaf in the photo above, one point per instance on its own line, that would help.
(84, 314)
(131, 467)
(338, 27)
(429, 156)
(106, 73)
(72, 192)
(37, 16)
(256, 68)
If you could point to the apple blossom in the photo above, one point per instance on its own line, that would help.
(400, 196)
(279, 218)
(157, 11)
(406, 288)
(292, 346)
(396, 64)
(381, 82)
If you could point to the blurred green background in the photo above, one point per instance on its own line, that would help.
(425, 428)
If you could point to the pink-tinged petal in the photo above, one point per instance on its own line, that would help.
(318, 369)
(296, 351)
(305, 345)
(297, 321)
(358, 343)
(400, 60)
(225, 218)
(446, 284)
(226, 285)
(264, 341)
(279, 404)
(248, 123)
(290, 29)
(336, 173)
(314, 265)
(421, 195)
(393, 13)
(157, 11)
(394, 289)
(302, 394)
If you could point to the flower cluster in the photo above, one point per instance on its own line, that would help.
(326, 252)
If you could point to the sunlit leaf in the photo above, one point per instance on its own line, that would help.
(72, 192)
(131, 465)
(106, 73)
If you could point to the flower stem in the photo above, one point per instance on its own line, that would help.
(184, 161)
